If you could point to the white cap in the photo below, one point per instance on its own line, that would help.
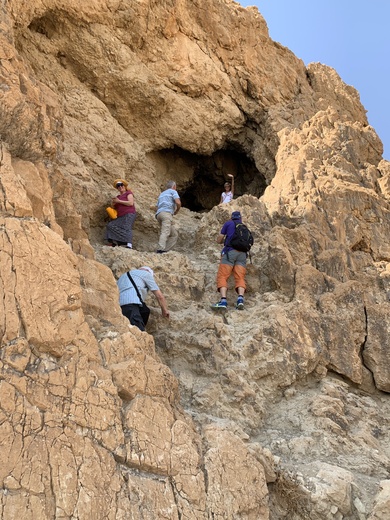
(149, 269)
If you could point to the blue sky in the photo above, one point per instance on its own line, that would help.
(352, 36)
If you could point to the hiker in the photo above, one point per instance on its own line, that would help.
(228, 194)
(119, 231)
(132, 295)
(232, 261)
(168, 204)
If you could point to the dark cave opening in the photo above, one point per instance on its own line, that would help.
(49, 24)
(200, 178)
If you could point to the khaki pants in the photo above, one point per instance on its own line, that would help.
(168, 233)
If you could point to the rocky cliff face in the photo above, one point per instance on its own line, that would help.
(280, 411)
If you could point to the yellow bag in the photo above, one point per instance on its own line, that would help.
(112, 212)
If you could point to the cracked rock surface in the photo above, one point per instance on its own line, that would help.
(277, 412)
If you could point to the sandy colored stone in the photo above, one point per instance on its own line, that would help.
(333, 492)
(382, 502)
(279, 411)
(236, 487)
(131, 380)
(376, 351)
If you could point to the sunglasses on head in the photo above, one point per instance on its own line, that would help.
(119, 184)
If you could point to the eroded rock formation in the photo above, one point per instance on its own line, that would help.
(280, 411)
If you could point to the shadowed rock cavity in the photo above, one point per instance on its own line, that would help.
(200, 178)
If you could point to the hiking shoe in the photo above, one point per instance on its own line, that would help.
(240, 304)
(220, 305)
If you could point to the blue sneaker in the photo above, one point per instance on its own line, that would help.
(240, 303)
(222, 304)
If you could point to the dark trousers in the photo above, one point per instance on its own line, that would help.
(137, 315)
(133, 314)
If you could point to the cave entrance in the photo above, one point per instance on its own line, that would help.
(200, 178)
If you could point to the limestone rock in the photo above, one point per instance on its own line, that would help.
(382, 502)
(279, 411)
(333, 492)
(233, 494)
(376, 350)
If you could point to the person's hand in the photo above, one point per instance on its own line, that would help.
(230, 175)
(165, 314)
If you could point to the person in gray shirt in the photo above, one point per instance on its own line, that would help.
(168, 204)
(131, 304)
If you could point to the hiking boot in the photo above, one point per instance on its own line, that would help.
(240, 304)
(222, 304)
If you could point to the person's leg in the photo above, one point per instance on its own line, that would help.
(120, 229)
(223, 292)
(240, 285)
(108, 234)
(223, 274)
(239, 272)
(173, 235)
(240, 291)
(224, 271)
(130, 222)
(165, 219)
(132, 313)
(145, 313)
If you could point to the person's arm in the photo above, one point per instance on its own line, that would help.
(162, 302)
(221, 198)
(128, 202)
(222, 234)
(178, 205)
(232, 188)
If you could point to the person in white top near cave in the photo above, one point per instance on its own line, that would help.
(228, 194)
